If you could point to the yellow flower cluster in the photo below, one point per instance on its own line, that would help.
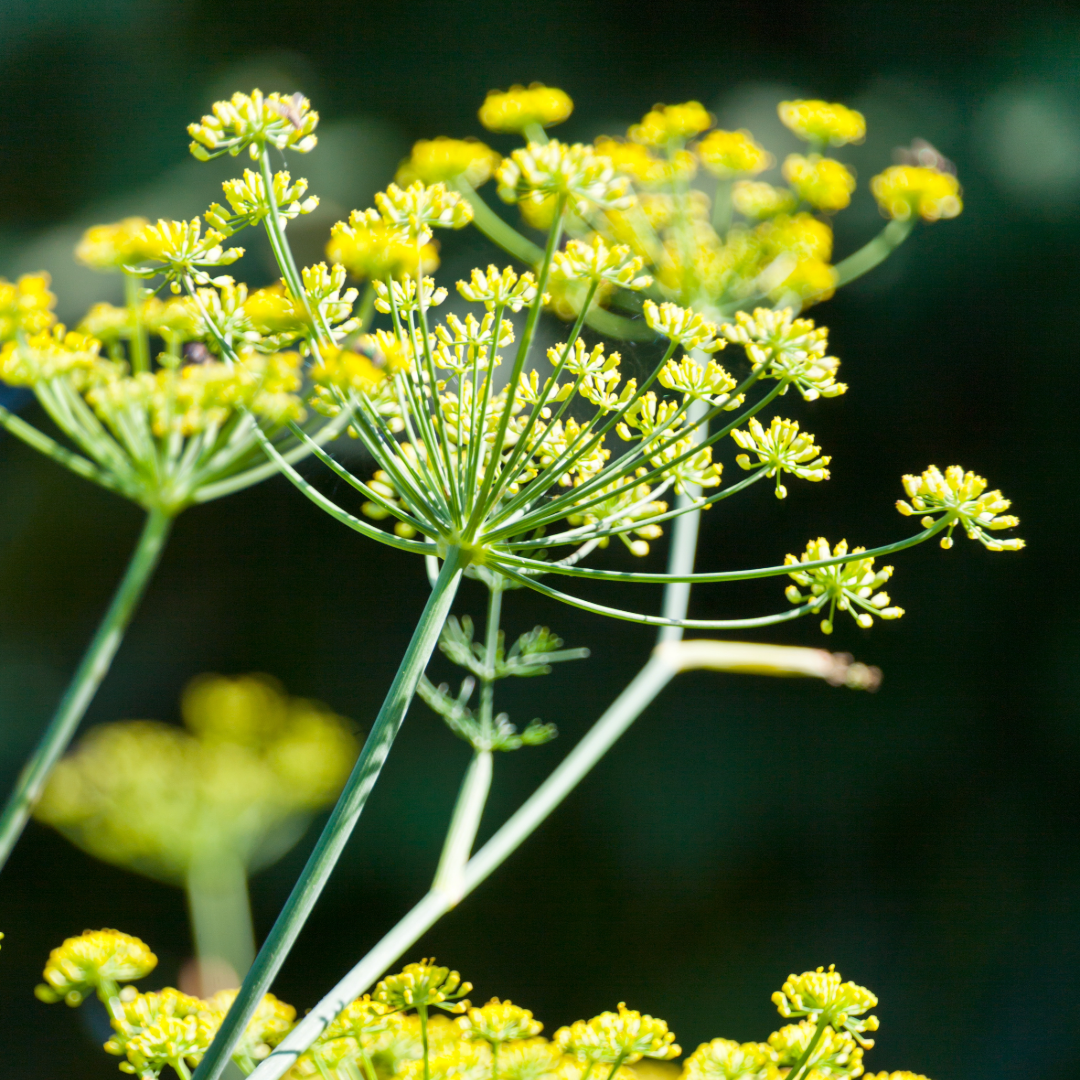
(621, 1037)
(782, 448)
(391, 1034)
(26, 306)
(848, 586)
(667, 124)
(575, 173)
(904, 190)
(155, 798)
(521, 107)
(443, 159)
(255, 121)
(95, 960)
(960, 498)
(822, 123)
(421, 985)
(790, 349)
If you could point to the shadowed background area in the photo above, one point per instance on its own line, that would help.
(923, 839)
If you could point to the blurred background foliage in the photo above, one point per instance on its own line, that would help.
(923, 839)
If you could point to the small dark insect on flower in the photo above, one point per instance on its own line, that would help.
(291, 109)
(360, 342)
(195, 352)
(925, 155)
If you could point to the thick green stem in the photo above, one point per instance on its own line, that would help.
(140, 339)
(496, 230)
(342, 821)
(93, 668)
(874, 251)
(491, 642)
(217, 894)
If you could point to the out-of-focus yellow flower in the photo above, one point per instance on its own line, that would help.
(725, 1059)
(822, 182)
(53, 353)
(155, 798)
(625, 1036)
(963, 498)
(370, 249)
(26, 305)
(727, 154)
(350, 369)
(757, 199)
(519, 107)
(903, 190)
(443, 159)
(812, 281)
(665, 124)
(111, 247)
(95, 959)
(820, 122)
(801, 235)
(633, 159)
(902, 1074)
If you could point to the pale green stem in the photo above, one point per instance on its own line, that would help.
(342, 821)
(140, 339)
(80, 692)
(464, 824)
(873, 252)
(684, 538)
(721, 211)
(220, 910)
(491, 641)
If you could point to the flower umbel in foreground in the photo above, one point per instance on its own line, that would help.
(394, 1040)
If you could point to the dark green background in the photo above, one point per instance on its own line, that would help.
(923, 839)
